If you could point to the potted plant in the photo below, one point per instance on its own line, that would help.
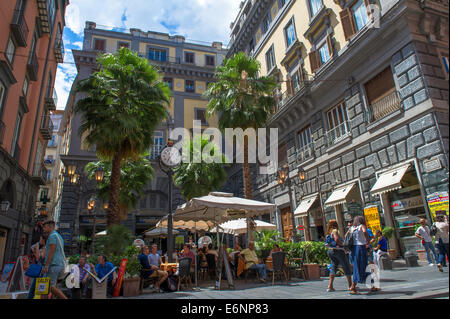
(388, 232)
(132, 276)
(311, 266)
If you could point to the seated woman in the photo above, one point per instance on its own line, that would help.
(381, 249)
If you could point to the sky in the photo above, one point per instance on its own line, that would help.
(196, 20)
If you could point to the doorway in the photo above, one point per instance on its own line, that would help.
(286, 222)
(3, 238)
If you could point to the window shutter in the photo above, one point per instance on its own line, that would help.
(289, 86)
(330, 45)
(314, 60)
(347, 23)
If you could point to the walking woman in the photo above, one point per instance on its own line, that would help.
(337, 254)
(359, 253)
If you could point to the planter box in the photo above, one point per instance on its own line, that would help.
(312, 271)
(422, 254)
(392, 254)
(131, 287)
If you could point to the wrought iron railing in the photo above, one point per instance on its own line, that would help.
(52, 102)
(306, 152)
(383, 107)
(338, 133)
(59, 50)
(19, 27)
(46, 127)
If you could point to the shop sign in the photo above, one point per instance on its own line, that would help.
(407, 203)
(372, 218)
(438, 201)
(66, 234)
(432, 165)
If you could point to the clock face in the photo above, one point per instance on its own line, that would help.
(170, 156)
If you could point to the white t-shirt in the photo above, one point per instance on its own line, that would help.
(358, 236)
(425, 233)
(442, 232)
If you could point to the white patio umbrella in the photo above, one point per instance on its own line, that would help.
(157, 232)
(239, 226)
(219, 208)
(187, 225)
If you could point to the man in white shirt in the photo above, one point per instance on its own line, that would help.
(441, 237)
(423, 233)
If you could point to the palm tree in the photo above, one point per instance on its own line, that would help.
(199, 179)
(243, 99)
(135, 176)
(125, 101)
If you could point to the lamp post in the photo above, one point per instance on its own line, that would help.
(283, 177)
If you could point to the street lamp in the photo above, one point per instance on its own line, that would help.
(283, 177)
(99, 174)
(71, 169)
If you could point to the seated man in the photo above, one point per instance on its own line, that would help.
(102, 269)
(84, 278)
(155, 261)
(188, 253)
(252, 262)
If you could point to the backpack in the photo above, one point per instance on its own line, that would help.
(348, 241)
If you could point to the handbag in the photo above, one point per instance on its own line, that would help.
(66, 269)
(348, 241)
(42, 286)
(34, 271)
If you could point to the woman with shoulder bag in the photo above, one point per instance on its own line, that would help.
(337, 254)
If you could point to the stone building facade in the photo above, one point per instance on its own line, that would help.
(368, 123)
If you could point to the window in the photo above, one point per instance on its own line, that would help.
(282, 3)
(152, 199)
(123, 45)
(51, 12)
(25, 87)
(33, 48)
(270, 59)
(48, 174)
(266, 23)
(324, 53)
(297, 79)
(315, 6)
(210, 60)
(282, 154)
(99, 44)
(304, 137)
(189, 57)
(158, 140)
(289, 32)
(2, 95)
(10, 51)
(16, 134)
(200, 115)
(143, 203)
(359, 12)
(169, 82)
(190, 86)
(157, 55)
(381, 95)
(251, 45)
(337, 123)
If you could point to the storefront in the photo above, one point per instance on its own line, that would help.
(302, 216)
(403, 204)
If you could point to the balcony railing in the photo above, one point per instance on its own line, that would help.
(33, 67)
(156, 151)
(52, 102)
(383, 107)
(46, 127)
(2, 131)
(338, 133)
(40, 174)
(306, 152)
(283, 98)
(19, 28)
(59, 50)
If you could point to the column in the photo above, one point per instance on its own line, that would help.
(306, 227)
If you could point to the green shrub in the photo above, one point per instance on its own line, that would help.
(388, 232)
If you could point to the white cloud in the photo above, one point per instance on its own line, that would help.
(201, 20)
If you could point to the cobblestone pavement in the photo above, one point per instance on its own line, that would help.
(399, 283)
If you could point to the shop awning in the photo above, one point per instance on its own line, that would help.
(389, 181)
(339, 195)
(305, 205)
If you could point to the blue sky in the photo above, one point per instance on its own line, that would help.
(197, 20)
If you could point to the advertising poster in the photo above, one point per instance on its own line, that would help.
(438, 201)
(372, 218)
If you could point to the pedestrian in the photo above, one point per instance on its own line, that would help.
(370, 246)
(381, 248)
(441, 237)
(424, 234)
(54, 258)
(359, 253)
(38, 257)
(337, 254)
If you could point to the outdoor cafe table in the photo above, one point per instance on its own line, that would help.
(169, 266)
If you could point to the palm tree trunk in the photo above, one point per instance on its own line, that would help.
(248, 188)
(113, 217)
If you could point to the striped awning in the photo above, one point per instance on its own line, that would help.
(305, 205)
(339, 195)
(389, 181)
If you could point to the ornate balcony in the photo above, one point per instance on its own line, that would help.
(46, 127)
(306, 153)
(19, 28)
(43, 16)
(338, 133)
(59, 50)
(51, 102)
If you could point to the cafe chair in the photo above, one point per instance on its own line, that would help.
(146, 281)
(184, 271)
(211, 259)
(279, 268)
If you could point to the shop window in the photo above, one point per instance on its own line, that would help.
(382, 95)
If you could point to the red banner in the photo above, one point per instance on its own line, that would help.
(120, 275)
